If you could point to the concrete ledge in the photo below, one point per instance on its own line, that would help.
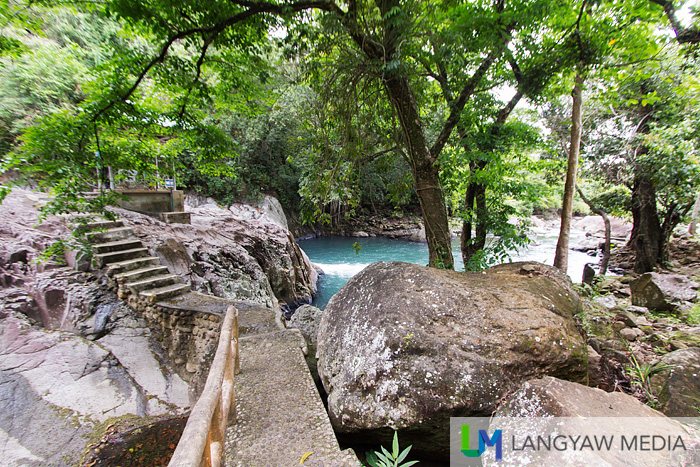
(175, 217)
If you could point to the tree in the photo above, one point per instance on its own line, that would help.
(645, 140)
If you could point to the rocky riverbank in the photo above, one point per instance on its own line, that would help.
(77, 366)
(403, 347)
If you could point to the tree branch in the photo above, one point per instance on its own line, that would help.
(458, 104)
(683, 35)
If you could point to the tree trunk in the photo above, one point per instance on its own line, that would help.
(692, 228)
(561, 258)
(606, 220)
(647, 235)
(425, 173)
(476, 192)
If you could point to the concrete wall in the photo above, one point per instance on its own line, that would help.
(153, 201)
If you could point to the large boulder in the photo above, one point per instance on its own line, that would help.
(677, 385)
(585, 415)
(662, 292)
(407, 347)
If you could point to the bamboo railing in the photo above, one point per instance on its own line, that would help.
(202, 441)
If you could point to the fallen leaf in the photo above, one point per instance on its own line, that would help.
(305, 456)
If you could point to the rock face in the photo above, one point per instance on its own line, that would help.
(662, 292)
(678, 385)
(552, 397)
(405, 346)
(56, 387)
(230, 257)
(528, 411)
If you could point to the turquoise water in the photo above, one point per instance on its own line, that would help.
(337, 257)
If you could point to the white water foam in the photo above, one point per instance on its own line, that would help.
(342, 270)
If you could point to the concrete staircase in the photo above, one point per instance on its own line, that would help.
(130, 265)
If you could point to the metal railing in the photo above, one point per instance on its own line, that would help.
(202, 441)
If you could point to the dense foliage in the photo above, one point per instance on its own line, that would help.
(367, 106)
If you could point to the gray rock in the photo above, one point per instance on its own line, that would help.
(606, 301)
(306, 318)
(678, 385)
(595, 370)
(631, 334)
(553, 397)
(677, 345)
(588, 412)
(689, 336)
(639, 310)
(405, 346)
(272, 209)
(626, 317)
(662, 291)
(55, 388)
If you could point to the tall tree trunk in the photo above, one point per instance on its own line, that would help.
(561, 257)
(475, 199)
(647, 235)
(476, 192)
(694, 217)
(606, 220)
(425, 173)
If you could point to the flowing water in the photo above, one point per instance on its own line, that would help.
(338, 259)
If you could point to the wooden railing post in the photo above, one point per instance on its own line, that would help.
(234, 341)
(202, 441)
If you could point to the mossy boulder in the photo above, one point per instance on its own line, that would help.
(678, 385)
(406, 347)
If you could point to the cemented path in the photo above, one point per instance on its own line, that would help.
(280, 416)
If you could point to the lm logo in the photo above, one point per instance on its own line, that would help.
(484, 440)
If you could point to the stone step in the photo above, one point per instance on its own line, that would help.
(111, 235)
(162, 293)
(151, 283)
(103, 259)
(175, 217)
(102, 225)
(119, 245)
(121, 267)
(141, 273)
(277, 428)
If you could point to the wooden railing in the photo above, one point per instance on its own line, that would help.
(202, 441)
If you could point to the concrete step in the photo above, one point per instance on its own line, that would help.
(151, 283)
(175, 217)
(140, 274)
(276, 428)
(103, 259)
(121, 267)
(102, 225)
(111, 235)
(162, 293)
(119, 245)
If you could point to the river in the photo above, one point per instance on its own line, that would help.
(338, 259)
